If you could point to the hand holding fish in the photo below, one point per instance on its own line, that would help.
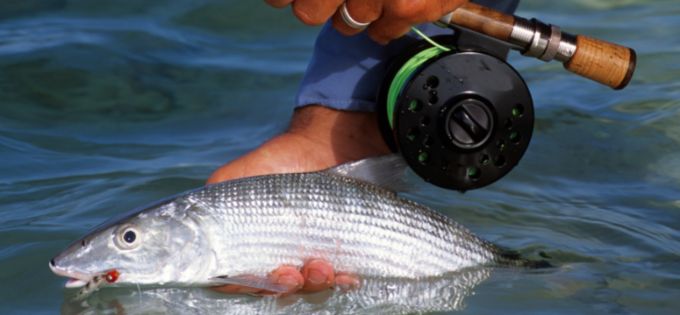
(316, 275)
(313, 129)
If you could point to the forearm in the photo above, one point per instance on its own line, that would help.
(317, 138)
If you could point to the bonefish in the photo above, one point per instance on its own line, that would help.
(237, 231)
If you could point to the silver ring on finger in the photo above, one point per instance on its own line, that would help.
(351, 22)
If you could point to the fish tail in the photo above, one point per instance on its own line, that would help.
(513, 258)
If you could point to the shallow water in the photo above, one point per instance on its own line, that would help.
(108, 105)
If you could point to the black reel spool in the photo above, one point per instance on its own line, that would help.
(462, 121)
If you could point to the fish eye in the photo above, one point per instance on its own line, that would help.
(127, 238)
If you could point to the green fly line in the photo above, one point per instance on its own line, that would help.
(407, 70)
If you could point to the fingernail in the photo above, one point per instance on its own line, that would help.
(316, 277)
(346, 282)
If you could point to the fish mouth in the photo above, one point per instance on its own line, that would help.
(76, 279)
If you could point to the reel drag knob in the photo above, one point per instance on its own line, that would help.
(469, 124)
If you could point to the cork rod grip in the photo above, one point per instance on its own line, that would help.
(607, 63)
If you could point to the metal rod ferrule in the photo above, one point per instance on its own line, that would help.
(542, 41)
(567, 47)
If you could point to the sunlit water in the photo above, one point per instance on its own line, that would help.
(107, 105)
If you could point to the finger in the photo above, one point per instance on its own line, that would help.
(319, 275)
(447, 6)
(361, 11)
(236, 289)
(314, 12)
(398, 16)
(278, 3)
(451, 5)
(383, 31)
(347, 281)
(288, 276)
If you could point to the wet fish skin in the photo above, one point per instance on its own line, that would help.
(253, 225)
(373, 296)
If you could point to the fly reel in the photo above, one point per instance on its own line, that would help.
(462, 119)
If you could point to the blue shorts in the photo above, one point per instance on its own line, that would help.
(345, 72)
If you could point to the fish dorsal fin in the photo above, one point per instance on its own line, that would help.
(387, 171)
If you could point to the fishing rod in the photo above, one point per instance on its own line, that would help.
(601, 61)
(459, 114)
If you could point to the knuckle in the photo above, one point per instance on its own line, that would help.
(407, 9)
(307, 18)
(433, 15)
(312, 14)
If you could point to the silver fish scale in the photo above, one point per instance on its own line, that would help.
(256, 224)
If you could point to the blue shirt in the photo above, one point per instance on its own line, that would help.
(345, 72)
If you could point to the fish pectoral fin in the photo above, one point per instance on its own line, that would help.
(387, 171)
(251, 281)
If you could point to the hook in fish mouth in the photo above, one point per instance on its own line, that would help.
(76, 279)
(79, 279)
